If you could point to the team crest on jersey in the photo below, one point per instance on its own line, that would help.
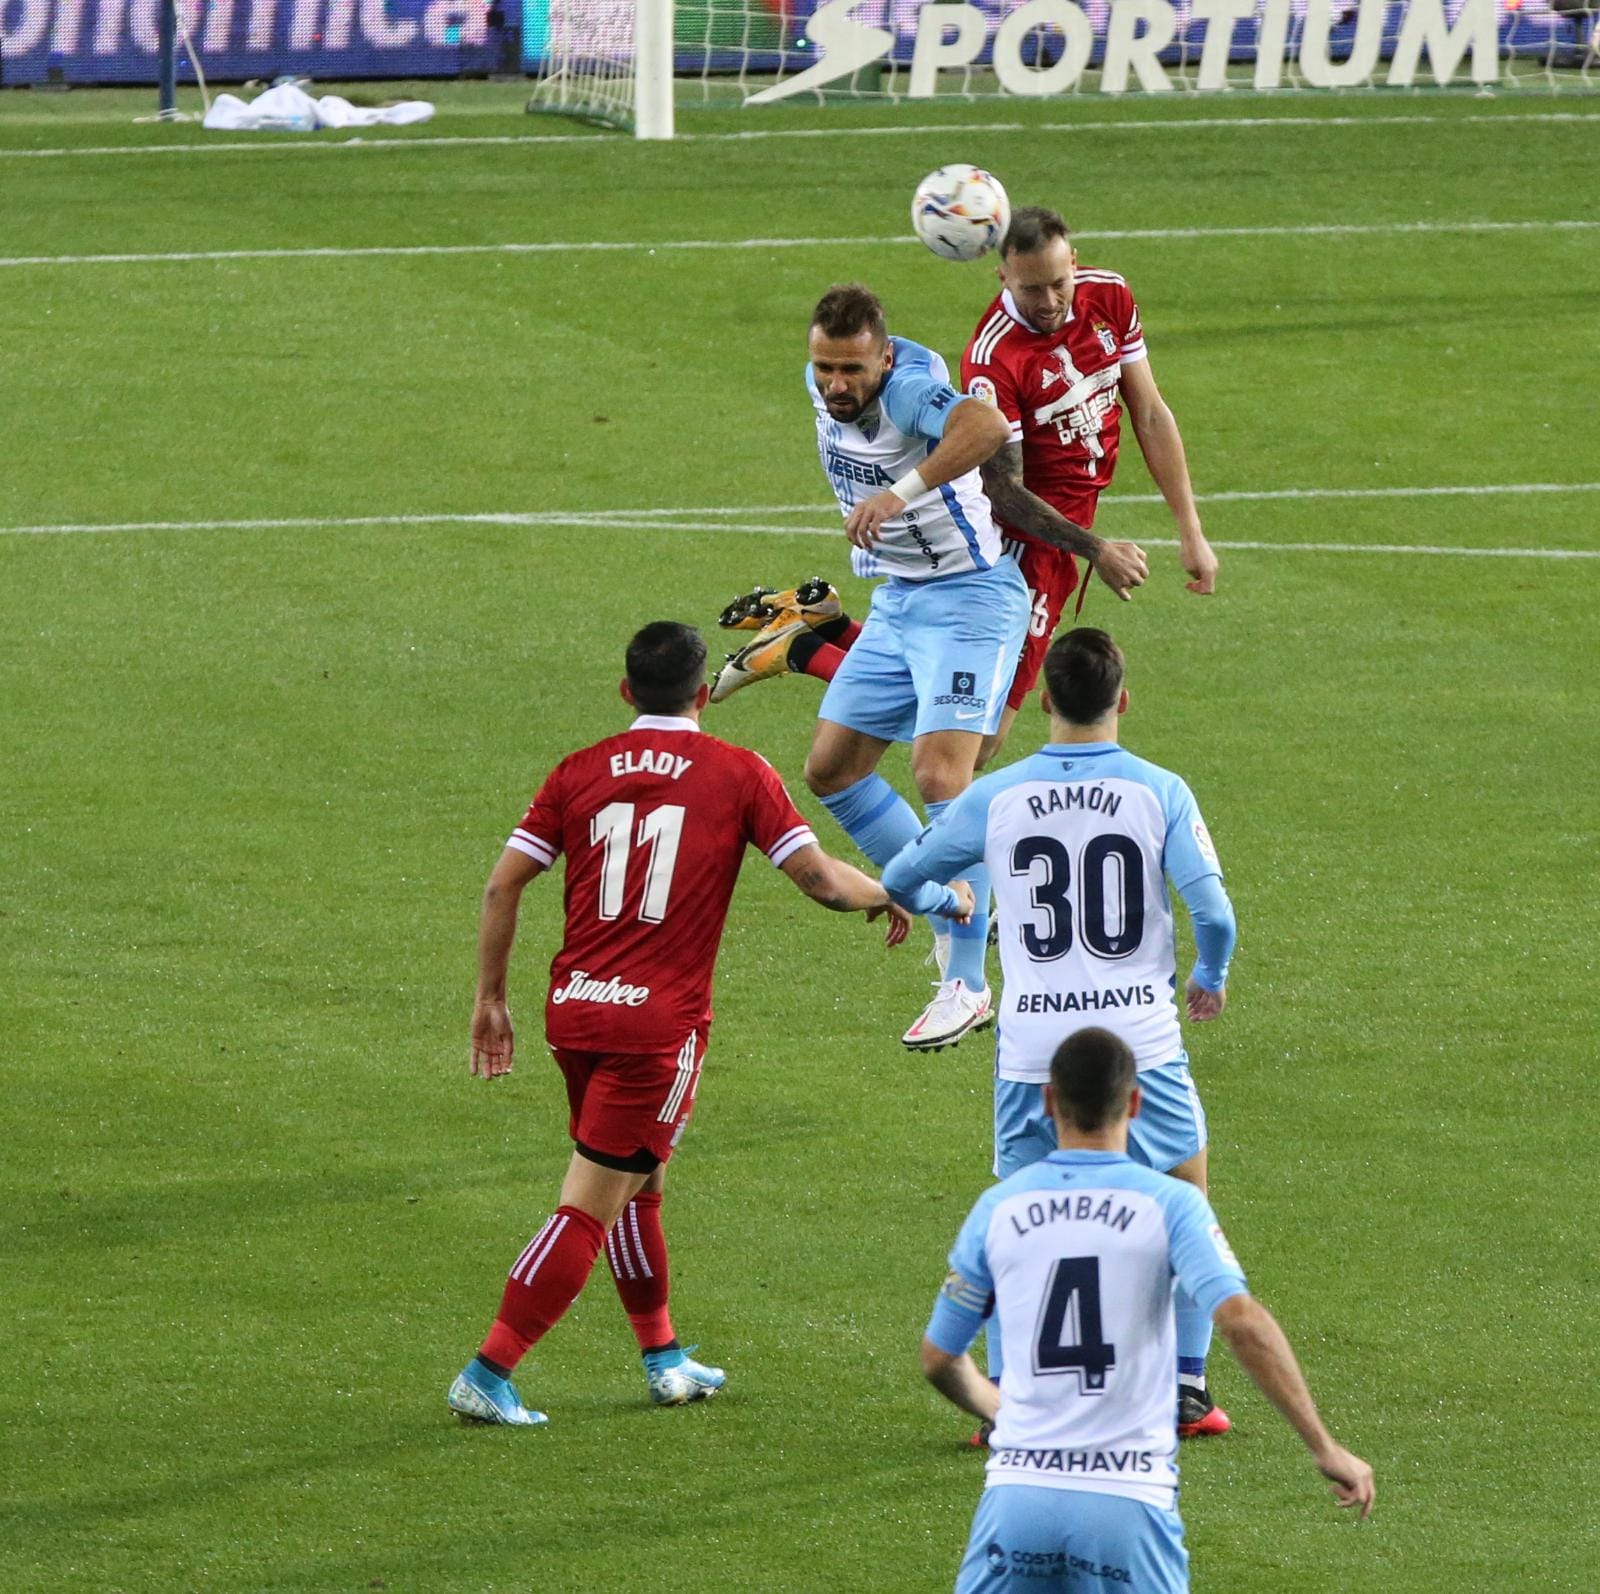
(1108, 338)
(981, 388)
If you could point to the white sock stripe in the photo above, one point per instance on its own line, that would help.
(638, 1240)
(617, 1247)
(528, 1250)
(545, 1250)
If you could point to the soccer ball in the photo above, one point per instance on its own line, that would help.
(960, 211)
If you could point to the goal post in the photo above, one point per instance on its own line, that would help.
(605, 61)
(639, 65)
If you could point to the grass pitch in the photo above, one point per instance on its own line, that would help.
(254, 776)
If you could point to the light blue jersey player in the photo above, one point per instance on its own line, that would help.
(1077, 1257)
(933, 661)
(1080, 841)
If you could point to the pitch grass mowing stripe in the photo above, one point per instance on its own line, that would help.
(301, 144)
(634, 246)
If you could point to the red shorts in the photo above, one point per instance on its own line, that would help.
(1052, 577)
(626, 1103)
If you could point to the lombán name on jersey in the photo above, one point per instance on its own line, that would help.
(1126, 1462)
(1059, 799)
(649, 761)
(1072, 1209)
(582, 987)
(1095, 1001)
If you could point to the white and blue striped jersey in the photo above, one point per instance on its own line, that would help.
(1077, 839)
(947, 530)
(1078, 1255)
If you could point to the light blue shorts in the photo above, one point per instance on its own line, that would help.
(1170, 1126)
(933, 655)
(1027, 1538)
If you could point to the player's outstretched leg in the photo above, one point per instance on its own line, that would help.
(636, 1248)
(814, 601)
(803, 631)
(767, 656)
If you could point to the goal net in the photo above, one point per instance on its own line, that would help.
(606, 57)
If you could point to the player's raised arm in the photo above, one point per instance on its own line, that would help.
(1161, 443)
(1121, 565)
(492, 1039)
(1260, 1346)
(968, 432)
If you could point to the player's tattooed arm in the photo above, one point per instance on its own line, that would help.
(831, 883)
(1121, 565)
(1014, 504)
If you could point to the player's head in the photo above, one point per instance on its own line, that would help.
(850, 349)
(1038, 265)
(1083, 673)
(1093, 1082)
(666, 666)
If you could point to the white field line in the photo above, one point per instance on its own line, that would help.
(298, 144)
(380, 251)
(724, 519)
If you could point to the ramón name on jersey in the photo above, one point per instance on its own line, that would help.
(1080, 841)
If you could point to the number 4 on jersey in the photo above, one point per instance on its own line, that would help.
(1069, 1340)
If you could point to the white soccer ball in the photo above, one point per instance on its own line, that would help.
(960, 211)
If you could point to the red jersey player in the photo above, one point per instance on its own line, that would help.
(1060, 351)
(654, 823)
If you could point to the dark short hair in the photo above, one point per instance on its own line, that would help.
(848, 308)
(666, 666)
(1083, 672)
(1032, 227)
(1093, 1075)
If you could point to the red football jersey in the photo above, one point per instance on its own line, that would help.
(1059, 389)
(654, 824)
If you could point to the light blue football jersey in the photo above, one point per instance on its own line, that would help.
(1079, 1254)
(947, 530)
(1079, 840)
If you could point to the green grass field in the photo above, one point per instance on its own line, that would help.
(256, 1213)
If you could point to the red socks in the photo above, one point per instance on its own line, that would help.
(556, 1263)
(545, 1281)
(829, 646)
(637, 1250)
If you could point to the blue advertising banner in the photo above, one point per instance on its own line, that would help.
(114, 41)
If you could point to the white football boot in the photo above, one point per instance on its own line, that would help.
(953, 1011)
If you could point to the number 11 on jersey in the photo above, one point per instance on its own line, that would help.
(661, 829)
